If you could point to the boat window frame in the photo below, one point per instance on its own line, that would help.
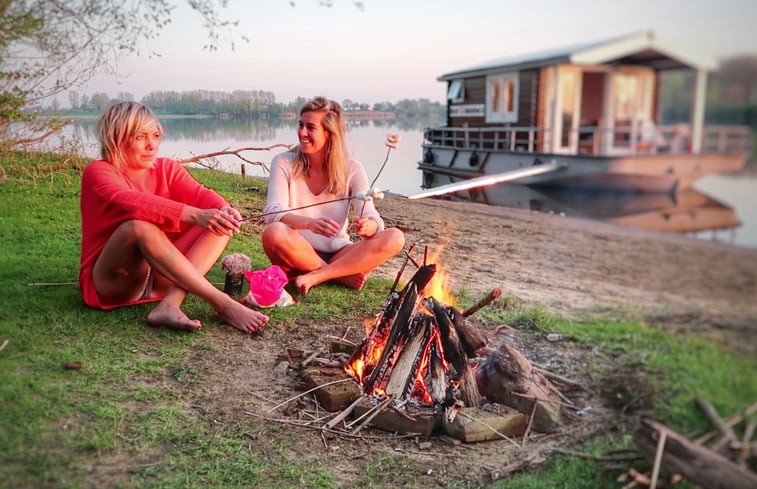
(502, 81)
(456, 91)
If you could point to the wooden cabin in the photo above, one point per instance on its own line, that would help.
(598, 99)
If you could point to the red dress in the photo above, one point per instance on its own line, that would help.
(109, 198)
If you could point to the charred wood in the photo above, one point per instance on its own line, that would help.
(436, 378)
(472, 339)
(491, 297)
(405, 370)
(401, 321)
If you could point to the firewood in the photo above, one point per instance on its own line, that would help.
(493, 295)
(343, 415)
(382, 406)
(400, 321)
(715, 419)
(473, 424)
(453, 348)
(730, 422)
(471, 338)
(697, 463)
(746, 449)
(436, 378)
(403, 374)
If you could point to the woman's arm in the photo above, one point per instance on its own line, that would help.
(363, 210)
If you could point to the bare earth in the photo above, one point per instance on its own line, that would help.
(578, 268)
(569, 267)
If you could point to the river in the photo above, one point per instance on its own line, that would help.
(727, 201)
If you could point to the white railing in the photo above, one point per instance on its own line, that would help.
(648, 139)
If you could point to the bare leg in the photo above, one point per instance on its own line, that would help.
(351, 265)
(122, 267)
(288, 249)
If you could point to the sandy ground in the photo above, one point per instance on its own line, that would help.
(579, 268)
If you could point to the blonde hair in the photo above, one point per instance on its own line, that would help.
(336, 148)
(118, 125)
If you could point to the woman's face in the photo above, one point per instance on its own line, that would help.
(311, 133)
(142, 149)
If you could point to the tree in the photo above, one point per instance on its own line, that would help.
(49, 46)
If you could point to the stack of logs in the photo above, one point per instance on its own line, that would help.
(714, 461)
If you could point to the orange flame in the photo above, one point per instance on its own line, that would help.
(361, 368)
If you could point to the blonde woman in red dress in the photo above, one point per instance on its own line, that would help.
(150, 231)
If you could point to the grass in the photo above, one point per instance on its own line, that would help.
(125, 405)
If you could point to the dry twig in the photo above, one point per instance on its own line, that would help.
(235, 152)
(306, 393)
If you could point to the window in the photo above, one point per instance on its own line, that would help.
(502, 98)
(456, 92)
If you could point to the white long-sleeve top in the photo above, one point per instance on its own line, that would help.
(285, 192)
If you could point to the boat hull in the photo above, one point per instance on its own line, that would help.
(637, 173)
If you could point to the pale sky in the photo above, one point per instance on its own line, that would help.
(396, 49)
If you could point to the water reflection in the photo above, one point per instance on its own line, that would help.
(688, 211)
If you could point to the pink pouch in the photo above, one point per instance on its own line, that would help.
(266, 286)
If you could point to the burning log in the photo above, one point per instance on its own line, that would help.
(454, 351)
(436, 380)
(390, 324)
(472, 339)
(401, 379)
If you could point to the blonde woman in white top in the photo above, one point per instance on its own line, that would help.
(313, 244)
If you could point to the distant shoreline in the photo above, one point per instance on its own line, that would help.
(358, 114)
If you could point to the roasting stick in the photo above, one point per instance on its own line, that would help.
(392, 142)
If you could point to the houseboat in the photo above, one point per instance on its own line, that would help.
(591, 114)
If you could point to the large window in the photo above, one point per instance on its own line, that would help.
(502, 97)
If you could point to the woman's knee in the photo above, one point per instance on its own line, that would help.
(134, 230)
(275, 235)
(393, 240)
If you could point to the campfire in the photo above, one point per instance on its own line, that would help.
(418, 349)
(423, 367)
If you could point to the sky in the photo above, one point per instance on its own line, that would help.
(396, 49)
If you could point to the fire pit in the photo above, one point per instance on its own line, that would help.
(424, 368)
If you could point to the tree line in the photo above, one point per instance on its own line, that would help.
(256, 104)
(731, 93)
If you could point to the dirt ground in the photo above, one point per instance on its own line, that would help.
(566, 266)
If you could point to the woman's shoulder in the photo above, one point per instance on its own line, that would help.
(98, 167)
(283, 158)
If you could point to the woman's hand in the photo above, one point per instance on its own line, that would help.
(365, 227)
(223, 221)
(324, 226)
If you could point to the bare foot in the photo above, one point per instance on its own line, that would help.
(242, 317)
(356, 281)
(304, 283)
(171, 317)
(309, 280)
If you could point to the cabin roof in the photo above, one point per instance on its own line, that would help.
(642, 48)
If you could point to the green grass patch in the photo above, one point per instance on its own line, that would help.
(126, 404)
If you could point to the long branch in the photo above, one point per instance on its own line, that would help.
(235, 152)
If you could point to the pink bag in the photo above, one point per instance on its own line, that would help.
(266, 286)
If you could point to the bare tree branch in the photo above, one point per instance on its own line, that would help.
(234, 152)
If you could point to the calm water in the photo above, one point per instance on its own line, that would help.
(717, 200)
